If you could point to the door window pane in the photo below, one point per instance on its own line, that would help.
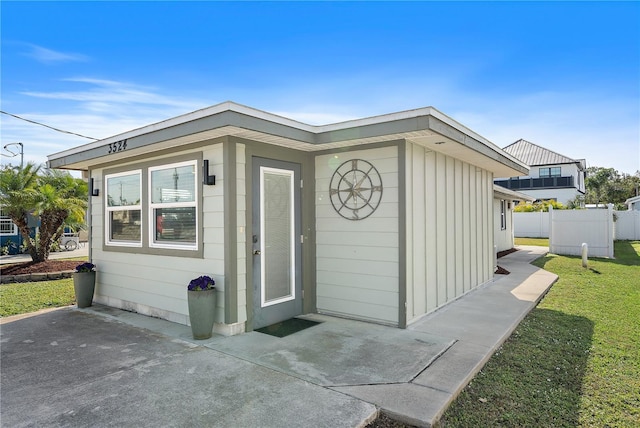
(277, 231)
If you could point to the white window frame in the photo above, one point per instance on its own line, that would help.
(503, 214)
(7, 219)
(108, 210)
(195, 204)
(263, 249)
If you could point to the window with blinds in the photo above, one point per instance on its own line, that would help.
(173, 204)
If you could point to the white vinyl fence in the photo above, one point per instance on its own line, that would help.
(627, 225)
(531, 225)
(536, 225)
(569, 229)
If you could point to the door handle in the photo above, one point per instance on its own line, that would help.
(256, 252)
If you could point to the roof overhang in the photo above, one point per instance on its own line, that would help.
(500, 192)
(425, 126)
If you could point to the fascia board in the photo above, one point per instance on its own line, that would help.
(236, 115)
(504, 193)
(480, 145)
(214, 114)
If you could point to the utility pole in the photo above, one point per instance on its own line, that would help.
(15, 154)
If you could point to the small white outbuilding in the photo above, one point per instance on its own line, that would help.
(504, 202)
(381, 219)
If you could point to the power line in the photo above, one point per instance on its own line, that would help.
(47, 126)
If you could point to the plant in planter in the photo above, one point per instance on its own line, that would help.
(84, 283)
(202, 305)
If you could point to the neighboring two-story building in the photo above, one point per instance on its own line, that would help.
(552, 175)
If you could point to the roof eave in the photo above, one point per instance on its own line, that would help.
(230, 115)
(504, 193)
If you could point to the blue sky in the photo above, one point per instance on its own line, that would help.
(562, 75)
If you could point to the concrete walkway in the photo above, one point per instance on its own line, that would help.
(101, 366)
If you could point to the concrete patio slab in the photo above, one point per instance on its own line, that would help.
(106, 367)
(72, 368)
(340, 352)
(408, 403)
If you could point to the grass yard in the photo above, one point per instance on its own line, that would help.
(24, 297)
(574, 360)
(538, 242)
(20, 298)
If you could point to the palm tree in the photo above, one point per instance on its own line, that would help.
(56, 197)
(16, 187)
(60, 199)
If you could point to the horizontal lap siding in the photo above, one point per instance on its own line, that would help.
(449, 229)
(357, 267)
(156, 284)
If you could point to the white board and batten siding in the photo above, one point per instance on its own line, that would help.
(157, 285)
(357, 267)
(449, 221)
(503, 238)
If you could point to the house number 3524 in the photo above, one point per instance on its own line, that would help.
(118, 146)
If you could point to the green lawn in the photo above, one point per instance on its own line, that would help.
(574, 360)
(538, 242)
(20, 298)
(24, 297)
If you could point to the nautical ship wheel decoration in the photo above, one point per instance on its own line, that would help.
(355, 189)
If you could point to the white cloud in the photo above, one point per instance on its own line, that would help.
(598, 127)
(103, 93)
(49, 56)
(101, 108)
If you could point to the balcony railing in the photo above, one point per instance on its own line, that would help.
(536, 183)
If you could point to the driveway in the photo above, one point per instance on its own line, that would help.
(76, 368)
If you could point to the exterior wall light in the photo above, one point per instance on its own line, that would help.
(209, 180)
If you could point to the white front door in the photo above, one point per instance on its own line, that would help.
(277, 293)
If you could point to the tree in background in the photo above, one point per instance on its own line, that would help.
(608, 186)
(15, 187)
(54, 196)
(539, 206)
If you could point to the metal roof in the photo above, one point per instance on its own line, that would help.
(533, 155)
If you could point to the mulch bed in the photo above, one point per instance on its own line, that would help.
(505, 252)
(384, 421)
(501, 271)
(48, 266)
